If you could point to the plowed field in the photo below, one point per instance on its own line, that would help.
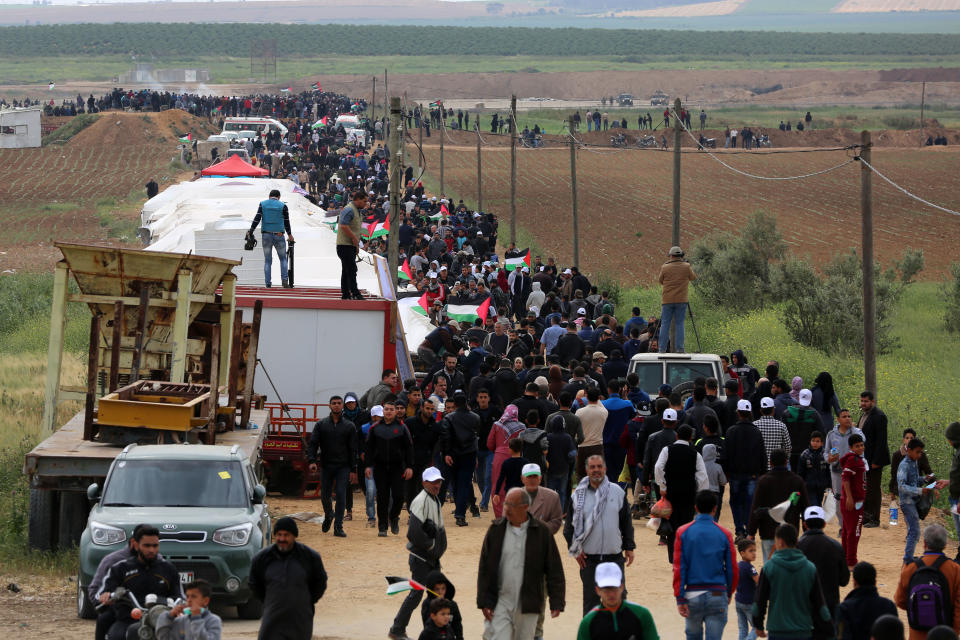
(625, 201)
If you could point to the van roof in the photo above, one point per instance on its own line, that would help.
(693, 357)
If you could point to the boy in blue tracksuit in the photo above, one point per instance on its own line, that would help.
(704, 571)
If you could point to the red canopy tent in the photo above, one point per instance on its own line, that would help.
(234, 167)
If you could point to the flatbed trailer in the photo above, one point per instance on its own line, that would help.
(62, 467)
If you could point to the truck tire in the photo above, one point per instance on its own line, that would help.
(72, 518)
(252, 609)
(85, 608)
(42, 528)
(685, 389)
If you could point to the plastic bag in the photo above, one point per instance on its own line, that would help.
(829, 507)
(662, 509)
(779, 512)
(653, 524)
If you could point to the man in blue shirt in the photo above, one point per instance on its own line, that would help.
(619, 411)
(276, 220)
(551, 335)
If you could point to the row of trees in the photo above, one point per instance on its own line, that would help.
(336, 39)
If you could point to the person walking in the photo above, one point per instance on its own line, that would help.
(619, 412)
(426, 542)
(862, 606)
(498, 441)
(774, 432)
(827, 556)
(705, 571)
(598, 528)
(744, 460)
(852, 494)
(873, 424)
(837, 446)
(615, 618)
(675, 277)
(943, 576)
(519, 566)
(680, 473)
(593, 418)
(333, 447)
(389, 461)
(458, 446)
(776, 486)
(545, 507)
(910, 486)
(274, 219)
(288, 578)
(349, 225)
(788, 592)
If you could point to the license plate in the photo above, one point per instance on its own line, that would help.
(186, 576)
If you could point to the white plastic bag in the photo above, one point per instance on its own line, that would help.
(829, 507)
(653, 524)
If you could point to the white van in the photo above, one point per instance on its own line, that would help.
(679, 370)
(260, 125)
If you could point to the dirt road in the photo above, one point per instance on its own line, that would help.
(355, 605)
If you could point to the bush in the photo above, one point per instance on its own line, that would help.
(733, 271)
(903, 123)
(951, 295)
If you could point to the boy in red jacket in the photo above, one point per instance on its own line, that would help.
(852, 494)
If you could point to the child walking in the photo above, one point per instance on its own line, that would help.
(814, 470)
(746, 588)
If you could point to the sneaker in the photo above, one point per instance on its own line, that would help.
(395, 526)
(398, 636)
(461, 522)
(371, 522)
(871, 525)
(348, 515)
(382, 533)
(474, 511)
(484, 508)
(339, 533)
(287, 285)
(327, 523)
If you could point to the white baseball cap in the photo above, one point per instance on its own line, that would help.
(813, 513)
(744, 405)
(531, 469)
(806, 396)
(377, 410)
(350, 397)
(431, 274)
(431, 474)
(765, 403)
(581, 311)
(525, 269)
(670, 415)
(608, 574)
(567, 272)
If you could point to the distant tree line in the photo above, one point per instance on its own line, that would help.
(184, 40)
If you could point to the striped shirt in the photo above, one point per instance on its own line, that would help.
(775, 435)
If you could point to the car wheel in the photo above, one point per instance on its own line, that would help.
(252, 609)
(685, 389)
(85, 608)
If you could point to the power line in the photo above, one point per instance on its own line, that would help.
(904, 191)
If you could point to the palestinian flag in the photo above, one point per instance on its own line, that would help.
(519, 262)
(396, 584)
(423, 305)
(435, 105)
(316, 86)
(287, 90)
(186, 138)
(468, 312)
(376, 230)
(403, 271)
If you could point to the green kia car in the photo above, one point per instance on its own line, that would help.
(205, 501)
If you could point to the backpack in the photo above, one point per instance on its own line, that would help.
(929, 600)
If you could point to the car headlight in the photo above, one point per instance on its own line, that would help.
(105, 535)
(235, 536)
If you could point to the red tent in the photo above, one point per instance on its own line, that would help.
(234, 167)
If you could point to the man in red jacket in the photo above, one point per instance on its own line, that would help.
(852, 494)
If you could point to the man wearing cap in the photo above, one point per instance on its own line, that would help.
(349, 225)
(426, 542)
(827, 556)
(680, 473)
(659, 441)
(544, 506)
(775, 433)
(801, 420)
(598, 528)
(705, 572)
(675, 277)
(744, 460)
(615, 618)
(458, 446)
(288, 578)
(519, 566)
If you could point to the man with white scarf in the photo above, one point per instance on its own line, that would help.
(598, 527)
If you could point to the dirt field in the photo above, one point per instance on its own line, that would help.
(625, 201)
(355, 605)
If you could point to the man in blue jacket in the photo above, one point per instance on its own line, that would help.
(704, 571)
(275, 221)
(619, 412)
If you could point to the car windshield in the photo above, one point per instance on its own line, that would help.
(651, 376)
(678, 372)
(176, 483)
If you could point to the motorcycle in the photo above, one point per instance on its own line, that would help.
(647, 142)
(764, 141)
(618, 140)
(147, 614)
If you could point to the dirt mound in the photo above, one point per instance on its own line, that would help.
(920, 75)
(115, 129)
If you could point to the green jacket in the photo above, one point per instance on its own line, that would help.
(789, 584)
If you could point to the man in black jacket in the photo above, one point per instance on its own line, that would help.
(745, 459)
(141, 575)
(862, 606)
(425, 434)
(775, 486)
(289, 578)
(333, 443)
(873, 423)
(530, 401)
(389, 460)
(827, 556)
(458, 444)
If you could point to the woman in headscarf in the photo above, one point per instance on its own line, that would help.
(825, 400)
(503, 430)
(795, 386)
(555, 381)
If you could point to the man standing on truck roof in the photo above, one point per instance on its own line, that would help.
(276, 220)
(348, 244)
(675, 277)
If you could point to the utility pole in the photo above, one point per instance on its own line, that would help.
(421, 157)
(476, 127)
(373, 102)
(923, 97)
(869, 310)
(386, 92)
(443, 132)
(404, 121)
(573, 187)
(396, 176)
(677, 132)
(513, 168)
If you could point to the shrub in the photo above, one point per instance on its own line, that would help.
(902, 123)
(951, 295)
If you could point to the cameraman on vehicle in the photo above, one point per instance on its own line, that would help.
(140, 575)
(675, 277)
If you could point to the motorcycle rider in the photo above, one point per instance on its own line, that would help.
(140, 575)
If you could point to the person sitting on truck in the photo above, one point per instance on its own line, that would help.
(141, 575)
(276, 220)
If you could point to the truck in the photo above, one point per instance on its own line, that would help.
(261, 125)
(679, 370)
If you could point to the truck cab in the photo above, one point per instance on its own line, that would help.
(207, 504)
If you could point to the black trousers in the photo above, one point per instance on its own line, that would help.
(334, 480)
(389, 481)
(588, 578)
(682, 514)
(348, 270)
(871, 505)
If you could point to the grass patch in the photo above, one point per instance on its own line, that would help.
(117, 217)
(73, 127)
